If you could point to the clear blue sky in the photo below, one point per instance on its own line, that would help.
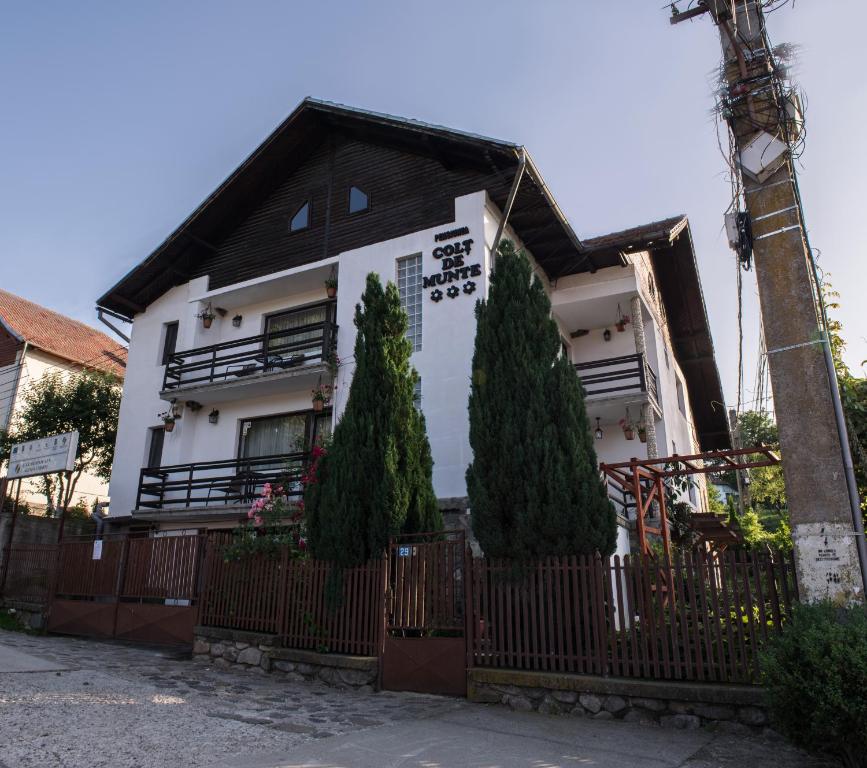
(117, 119)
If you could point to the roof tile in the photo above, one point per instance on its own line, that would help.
(60, 335)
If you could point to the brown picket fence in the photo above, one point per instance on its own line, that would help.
(699, 617)
(81, 576)
(306, 603)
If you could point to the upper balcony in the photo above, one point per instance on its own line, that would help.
(627, 378)
(252, 366)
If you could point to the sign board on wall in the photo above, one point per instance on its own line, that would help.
(44, 456)
(453, 272)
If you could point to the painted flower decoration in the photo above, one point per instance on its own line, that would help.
(452, 291)
(436, 295)
(469, 287)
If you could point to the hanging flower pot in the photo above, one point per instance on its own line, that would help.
(318, 405)
(207, 320)
(622, 320)
(642, 434)
(168, 418)
(331, 287)
(629, 433)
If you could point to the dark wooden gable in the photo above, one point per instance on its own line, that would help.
(406, 191)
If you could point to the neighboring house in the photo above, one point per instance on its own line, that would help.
(340, 192)
(35, 342)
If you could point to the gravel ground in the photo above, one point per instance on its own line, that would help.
(74, 703)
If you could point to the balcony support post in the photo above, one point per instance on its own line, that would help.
(637, 318)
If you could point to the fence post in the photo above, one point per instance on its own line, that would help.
(281, 596)
(201, 571)
(469, 639)
(119, 583)
(382, 617)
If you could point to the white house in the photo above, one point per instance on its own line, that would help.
(232, 327)
(37, 342)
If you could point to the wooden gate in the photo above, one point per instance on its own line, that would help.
(425, 648)
(145, 590)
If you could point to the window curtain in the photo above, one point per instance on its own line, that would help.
(290, 320)
(267, 437)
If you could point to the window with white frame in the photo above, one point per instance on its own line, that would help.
(409, 279)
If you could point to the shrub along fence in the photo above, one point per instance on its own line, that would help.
(699, 617)
(305, 603)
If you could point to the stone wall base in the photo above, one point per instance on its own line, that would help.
(253, 651)
(735, 708)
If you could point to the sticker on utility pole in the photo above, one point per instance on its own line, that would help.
(97, 549)
(44, 456)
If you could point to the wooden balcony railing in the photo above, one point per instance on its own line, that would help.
(267, 352)
(628, 374)
(219, 483)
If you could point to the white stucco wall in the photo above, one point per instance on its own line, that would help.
(448, 335)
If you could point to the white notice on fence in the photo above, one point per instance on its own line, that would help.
(97, 549)
(44, 456)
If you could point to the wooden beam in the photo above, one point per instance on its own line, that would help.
(679, 16)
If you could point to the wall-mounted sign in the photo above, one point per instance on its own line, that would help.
(44, 456)
(453, 267)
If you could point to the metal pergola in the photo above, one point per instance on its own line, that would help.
(645, 480)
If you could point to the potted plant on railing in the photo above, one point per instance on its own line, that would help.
(168, 420)
(331, 287)
(321, 397)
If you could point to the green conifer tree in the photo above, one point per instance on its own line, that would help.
(534, 487)
(375, 480)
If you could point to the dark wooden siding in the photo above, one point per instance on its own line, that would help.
(407, 192)
(8, 348)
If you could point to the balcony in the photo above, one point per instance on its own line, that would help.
(213, 485)
(619, 377)
(252, 366)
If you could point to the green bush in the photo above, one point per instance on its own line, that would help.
(815, 674)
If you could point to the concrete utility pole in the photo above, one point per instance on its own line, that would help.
(817, 464)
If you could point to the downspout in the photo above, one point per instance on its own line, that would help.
(510, 201)
(13, 394)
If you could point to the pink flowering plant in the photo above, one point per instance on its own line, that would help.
(276, 520)
(273, 522)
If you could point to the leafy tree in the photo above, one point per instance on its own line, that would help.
(853, 394)
(715, 502)
(760, 534)
(534, 487)
(88, 402)
(375, 480)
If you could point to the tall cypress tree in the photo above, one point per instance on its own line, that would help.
(376, 477)
(534, 488)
